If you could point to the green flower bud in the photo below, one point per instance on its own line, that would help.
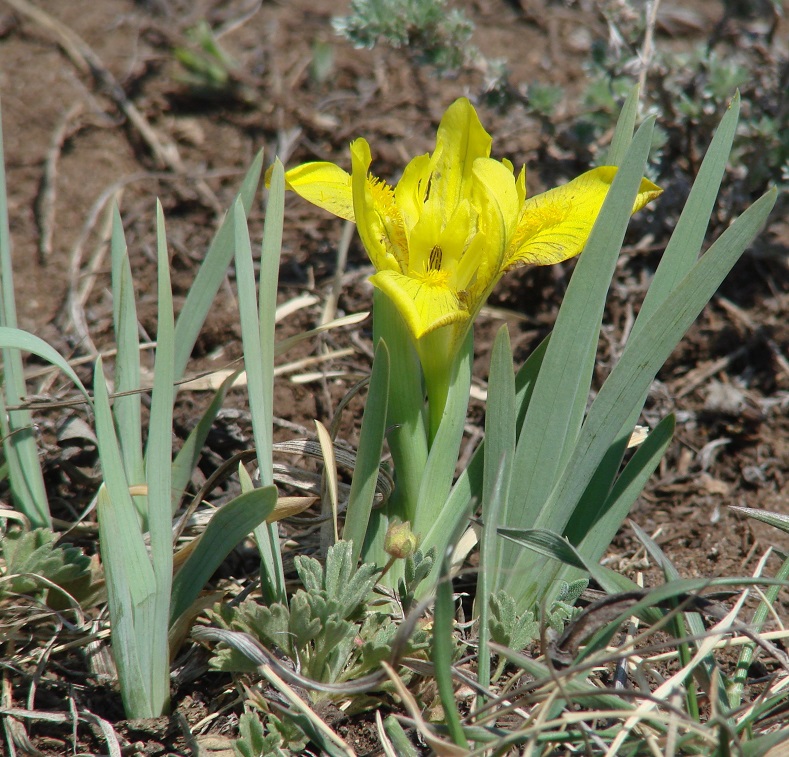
(400, 541)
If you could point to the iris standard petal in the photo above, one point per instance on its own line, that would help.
(460, 140)
(426, 302)
(555, 225)
(501, 189)
(413, 186)
(323, 184)
(495, 197)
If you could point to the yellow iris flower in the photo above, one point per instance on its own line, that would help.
(456, 221)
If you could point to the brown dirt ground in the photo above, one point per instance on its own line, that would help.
(727, 382)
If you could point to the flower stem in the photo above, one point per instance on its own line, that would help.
(406, 433)
(438, 358)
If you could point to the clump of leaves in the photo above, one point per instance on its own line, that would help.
(431, 33)
(207, 69)
(275, 737)
(690, 90)
(563, 608)
(515, 630)
(327, 630)
(33, 562)
(417, 569)
(507, 626)
(437, 36)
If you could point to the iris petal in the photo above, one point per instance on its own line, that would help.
(427, 303)
(413, 186)
(495, 196)
(555, 225)
(460, 140)
(369, 209)
(325, 185)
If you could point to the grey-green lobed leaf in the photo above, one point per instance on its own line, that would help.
(36, 554)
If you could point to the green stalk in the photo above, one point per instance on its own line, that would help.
(368, 458)
(685, 657)
(437, 364)
(398, 737)
(407, 435)
(442, 655)
(759, 618)
(406, 431)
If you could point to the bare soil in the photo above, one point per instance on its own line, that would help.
(69, 148)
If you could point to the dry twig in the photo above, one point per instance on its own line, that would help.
(45, 200)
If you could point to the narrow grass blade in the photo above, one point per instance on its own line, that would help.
(438, 473)
(546, 543)
(443, 649)
(158, 471)
(398, 737)
(19, 442)
(591, 508)
(765, 707)
(131, 583)
(685, 244)
(211, 274)
(127, 601)
(779, 520)
(660, 557)
(488, 569)
(23, 341)
(468, 486)
(228, 526)
(368, 457)
(127, 407)
(500, 432)
(347, 320)
(499, 451)
(526, 379)
(273, 577)
(694, 622)
(189, 454)
(318, 732)
(267, 306)
(256, 316)
(625, 126)
(500, 422)
(765, 746)
(541, 673)
(158, 458)
(555, 413)
(592, 539)
(21, 453)
(117, 488)
(329, 530)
